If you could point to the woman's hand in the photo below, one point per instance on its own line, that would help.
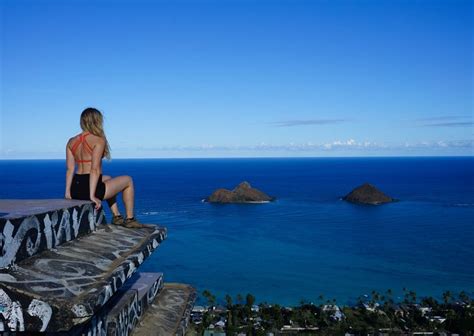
(67, 195)
(98, 202)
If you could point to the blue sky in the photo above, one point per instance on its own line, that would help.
(239, 78)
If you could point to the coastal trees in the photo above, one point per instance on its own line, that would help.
(239, 299)
(447, 296)
(228, 300)
(464, 297)
(429, 302)
(250, 300)
(272, 316)
(375, 296)
(230, 329)
(375, 314)
(211, 299)
(409, 296)
(305, 315)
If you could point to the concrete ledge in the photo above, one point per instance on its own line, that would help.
(170, 312)
(122, 321)
(28, 227)
(17, 208)
(58, 289)
(123, 311)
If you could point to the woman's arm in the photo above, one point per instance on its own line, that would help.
(96, 170)
(70, 164)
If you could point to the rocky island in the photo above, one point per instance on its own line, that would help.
(367, 194)
(243, 193)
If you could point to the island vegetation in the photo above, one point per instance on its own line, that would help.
(243, 193)
(368, 194)
(374, 314)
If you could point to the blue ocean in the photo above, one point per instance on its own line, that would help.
(308, 242)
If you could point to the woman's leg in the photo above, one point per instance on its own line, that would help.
(112, 202)
(124, 184)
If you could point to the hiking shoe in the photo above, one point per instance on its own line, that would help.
(118, 220)
(132, 223)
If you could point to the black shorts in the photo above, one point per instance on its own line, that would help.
(80, 187)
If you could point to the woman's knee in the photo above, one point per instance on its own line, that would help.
(129, 179)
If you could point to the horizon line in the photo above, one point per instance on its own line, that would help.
(254, 157)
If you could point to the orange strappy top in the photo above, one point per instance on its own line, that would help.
(82, 141)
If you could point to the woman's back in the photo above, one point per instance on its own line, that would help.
(81, 147)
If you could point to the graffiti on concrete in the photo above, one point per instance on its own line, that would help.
(123, 312)
(79, 276)
(13, 314)
(42, 310)
(24, 237)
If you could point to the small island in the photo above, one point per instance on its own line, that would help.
(367, 194)
(243, 193)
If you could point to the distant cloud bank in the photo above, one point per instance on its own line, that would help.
(328, 146)
(349, 147)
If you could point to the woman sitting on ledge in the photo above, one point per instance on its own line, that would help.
(87, 150)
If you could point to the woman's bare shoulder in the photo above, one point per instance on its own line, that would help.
(71, 140)
(94, 139)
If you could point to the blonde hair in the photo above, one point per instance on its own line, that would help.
(92, 121)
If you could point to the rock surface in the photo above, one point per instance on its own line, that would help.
(169, 313)
(367, 194)
(243, 193)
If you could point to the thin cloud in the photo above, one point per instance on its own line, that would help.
(446, 121)
(444, 118)
(292, 123)
(450, 124)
